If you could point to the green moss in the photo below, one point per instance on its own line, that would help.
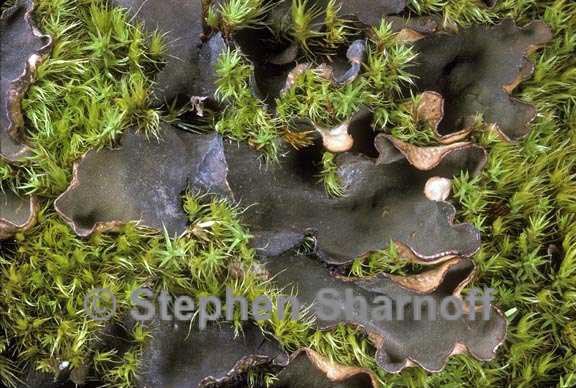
(45, 278)
(94, 85)
(385, 261)
(329, 175)
(313, 97)
(234, 15)
(304, 27)
(245, 117)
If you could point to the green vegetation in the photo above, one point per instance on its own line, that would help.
(93, 86)
(97, 83)
(329, 175)
(312, 98)
(303, 27)
(233, 15)
(315, 98)
(51, 270)
(245, 117)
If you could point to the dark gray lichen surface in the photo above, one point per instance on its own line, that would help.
(475, 70)
(142, 181)
(189, 59)
(427, 341)
(308, 369)
(383, 198)
(17, 213)
(182, 356)
(383, 201)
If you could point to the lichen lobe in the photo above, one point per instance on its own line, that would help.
(471, 69)
(22, 48)
(142, 181)
(402, 337)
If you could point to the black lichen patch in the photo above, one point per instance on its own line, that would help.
(402, 338)
(419, 24)
(22, 47)
(180, 356)
(142, 181)
(383, 201)
(17, 213)
(370, 12)
(473, 69)
(490, 3)
(308, 369)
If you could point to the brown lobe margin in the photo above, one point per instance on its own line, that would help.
(431, 110)
(427, 158)
(427, 281)
(19, 86)
(458, 348)
(404, 249)
(8, 229)
(543, 35)
(335, 372)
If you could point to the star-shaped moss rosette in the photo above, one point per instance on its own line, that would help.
(344, 68)
(383, 200)
(309, 369)
(401, 337)
(17, 213)
(270, 80)
(475, 71)
(142, 181)
(22, 48)
(190, 56)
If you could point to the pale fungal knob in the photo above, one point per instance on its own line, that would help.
(337, 139)
(64, 365)
(438, 189)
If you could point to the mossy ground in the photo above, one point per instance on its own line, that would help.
(97, 83)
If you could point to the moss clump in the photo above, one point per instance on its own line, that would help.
(47, 274)
(245, 117)
(312, 98)
(94, 85)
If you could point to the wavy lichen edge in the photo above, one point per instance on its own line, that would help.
(19, 86)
